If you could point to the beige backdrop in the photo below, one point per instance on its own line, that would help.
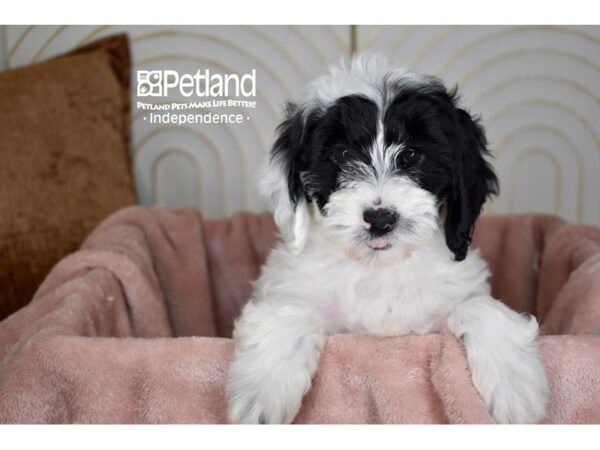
(537, 88)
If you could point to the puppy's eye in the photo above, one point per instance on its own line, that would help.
(411, 157)
(339, 156)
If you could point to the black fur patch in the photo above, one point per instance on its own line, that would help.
(454, 147)
(317, 149)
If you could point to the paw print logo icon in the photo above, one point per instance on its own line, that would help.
(144, 88)
(149, 83)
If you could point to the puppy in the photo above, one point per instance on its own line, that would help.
(376, 180)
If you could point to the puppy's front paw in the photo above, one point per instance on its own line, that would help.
(514, 386)
(504, 359)
(254, 397)
(519, 395)
(277, 348)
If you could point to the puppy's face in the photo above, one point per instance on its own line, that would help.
(387, 158)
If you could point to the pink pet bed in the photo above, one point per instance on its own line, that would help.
(134, 328)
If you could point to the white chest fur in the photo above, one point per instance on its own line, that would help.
(389, 301)
(411, 296)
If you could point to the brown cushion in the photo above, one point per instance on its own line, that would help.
(64, 159)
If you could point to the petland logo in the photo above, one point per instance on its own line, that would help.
(161, 83)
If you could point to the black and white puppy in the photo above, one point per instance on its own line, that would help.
(376, 179)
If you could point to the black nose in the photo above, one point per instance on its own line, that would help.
(382, 220)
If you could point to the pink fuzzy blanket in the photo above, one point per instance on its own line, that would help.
(134, 327)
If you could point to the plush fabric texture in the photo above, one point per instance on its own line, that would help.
(133, 328)
(64, 159)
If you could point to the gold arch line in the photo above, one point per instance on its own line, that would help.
(139, 147)
(508, 81)
(175, 56)
(540, 101)
(208, 37)
(329, 30)
(375, 32)
(298, 30)
(410, 29)
(90, 35)
(507, 31)
(316, 50)
(47, 43)
(188, 154)
(238, 145)
(557, 176)
(340, 43)
(279, 47)
(200, 136)
(561, 136)
(20, 39)
(498, 149)
(516, 53)
(430, 44)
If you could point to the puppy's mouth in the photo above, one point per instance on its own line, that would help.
(379, 244)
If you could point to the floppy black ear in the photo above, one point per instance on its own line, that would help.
(288, 150)
(281, 183)
(473, 181)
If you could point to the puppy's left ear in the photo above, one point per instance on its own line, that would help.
(473, 181)
(281, 182)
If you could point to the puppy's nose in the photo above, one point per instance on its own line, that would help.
(382, 220)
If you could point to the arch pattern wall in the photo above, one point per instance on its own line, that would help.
(537, 89)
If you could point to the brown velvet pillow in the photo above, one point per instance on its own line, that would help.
(64, 159)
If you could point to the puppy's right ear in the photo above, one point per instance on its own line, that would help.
(281, 182)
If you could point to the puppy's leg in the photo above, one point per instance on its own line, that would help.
(277, 347)
(504, 359)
